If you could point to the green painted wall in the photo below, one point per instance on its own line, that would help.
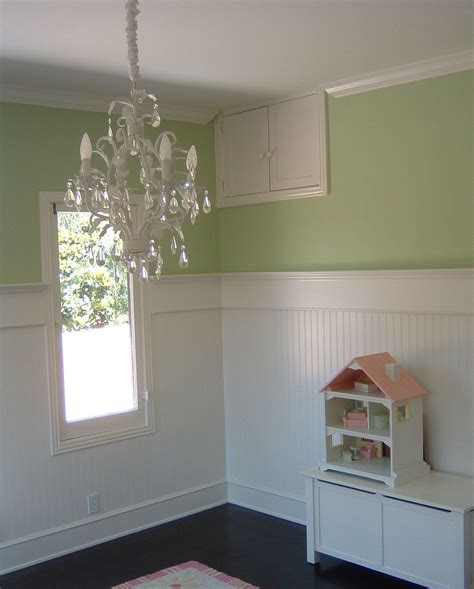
(39, 150)
(401, 189)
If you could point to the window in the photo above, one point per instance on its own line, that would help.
(97, 333)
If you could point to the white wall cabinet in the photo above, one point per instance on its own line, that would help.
(245, 152)
(420, 531)
(274, 152)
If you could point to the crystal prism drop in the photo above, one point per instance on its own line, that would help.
(69, 199)
(174, 205)
(192, 216)
(174, 246)
(95, 198)
(148, 200)
(116, 273)
(116, 253)
(183, 258)
(152, 251)
(100, 256)
(142, 175)
(143, 272)
(159, 259)
(206, 203)
(155, 117)
(131, 266)
(78, 199)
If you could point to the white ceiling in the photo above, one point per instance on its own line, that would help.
(221, 54)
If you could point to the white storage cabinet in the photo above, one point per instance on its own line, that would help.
(273, 152)
(420, 532)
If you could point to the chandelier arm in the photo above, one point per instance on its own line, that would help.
(147, 222)
(179, 218)
(153, 150)
(102, 217)
(143, 158)
(101, 143)
(123, 226)
(176, 227)
(131, 7)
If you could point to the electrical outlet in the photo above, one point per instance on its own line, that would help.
(93, 503)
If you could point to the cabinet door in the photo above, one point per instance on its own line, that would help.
(294, 144)
(245, 152)
(419, 541)
(348, 524)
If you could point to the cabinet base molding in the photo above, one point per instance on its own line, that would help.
(380, 472)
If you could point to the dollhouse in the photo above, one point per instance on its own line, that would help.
(373, 421)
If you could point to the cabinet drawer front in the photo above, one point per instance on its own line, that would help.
(294, 144)
(245, 153)
(419, 541)
(349, 524)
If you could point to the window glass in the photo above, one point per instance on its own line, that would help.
(96, 340)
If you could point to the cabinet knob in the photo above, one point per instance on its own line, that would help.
(267, 154)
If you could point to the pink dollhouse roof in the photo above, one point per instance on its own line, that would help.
(373, 366)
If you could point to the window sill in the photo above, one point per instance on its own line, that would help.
(89, 441)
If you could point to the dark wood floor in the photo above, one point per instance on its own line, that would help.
(262, 550)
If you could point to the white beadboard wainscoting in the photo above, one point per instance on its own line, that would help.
(141, 481)
(286, 334)
(238, 360)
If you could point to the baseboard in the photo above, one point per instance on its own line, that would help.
(29, 550)
(264, 500)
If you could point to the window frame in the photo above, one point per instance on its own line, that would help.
(66, 437)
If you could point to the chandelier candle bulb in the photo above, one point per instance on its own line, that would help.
(85, 149)
(166, 173)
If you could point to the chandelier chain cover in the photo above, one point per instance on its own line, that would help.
(167, 174)
(131, 6)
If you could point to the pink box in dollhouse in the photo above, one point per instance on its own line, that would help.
(367, 451)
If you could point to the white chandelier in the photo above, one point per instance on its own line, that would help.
(167, 173)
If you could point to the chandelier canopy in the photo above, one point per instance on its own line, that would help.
(166, 172)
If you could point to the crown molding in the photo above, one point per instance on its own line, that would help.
(38, 97)
(439, 66)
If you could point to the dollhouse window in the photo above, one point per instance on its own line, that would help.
(403, 412)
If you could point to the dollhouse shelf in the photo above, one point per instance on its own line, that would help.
(378, 469)
(380, 435)
(359, 396)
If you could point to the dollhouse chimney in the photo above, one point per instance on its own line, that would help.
(392, 370)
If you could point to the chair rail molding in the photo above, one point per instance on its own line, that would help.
(421, 291)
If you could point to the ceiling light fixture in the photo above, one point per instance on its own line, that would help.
(167, 173)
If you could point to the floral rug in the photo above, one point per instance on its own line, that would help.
(189, 575)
